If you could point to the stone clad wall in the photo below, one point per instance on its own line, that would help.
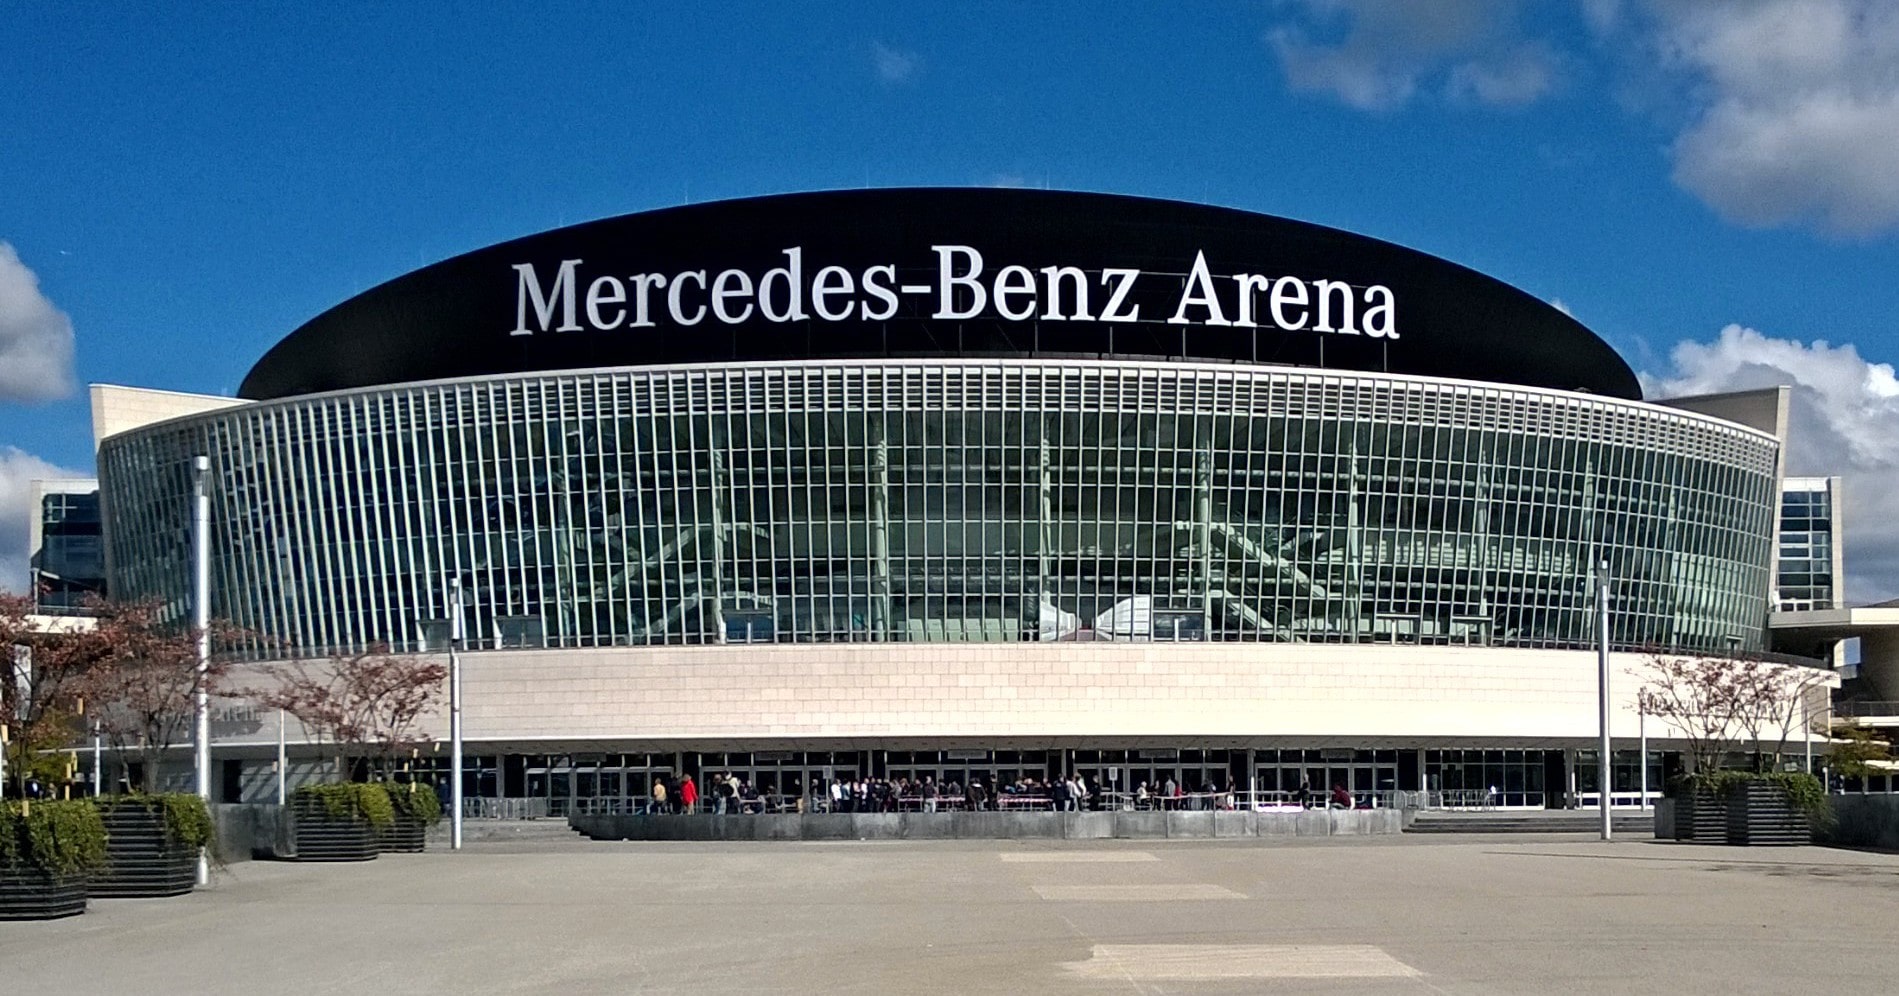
(993, 692)
(767, 696)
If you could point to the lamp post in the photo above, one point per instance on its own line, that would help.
(1605, 770)
(201, 622)
(455, 713)
(1641, 720)
(282, 758)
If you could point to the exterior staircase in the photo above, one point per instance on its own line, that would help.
(493, 831)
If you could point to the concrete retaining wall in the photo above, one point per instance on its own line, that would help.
(250, 830)
(1664, 819)
(995, 826)
(1862, 821)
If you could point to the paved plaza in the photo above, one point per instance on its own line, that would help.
(1550, 914)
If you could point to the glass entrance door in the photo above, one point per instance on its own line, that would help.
(1370, 777)
(1138, 779)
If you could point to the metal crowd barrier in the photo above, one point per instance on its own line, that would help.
(1264, 800)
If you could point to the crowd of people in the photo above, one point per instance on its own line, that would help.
(727, 793)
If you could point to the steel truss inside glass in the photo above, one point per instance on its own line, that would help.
(956, 502)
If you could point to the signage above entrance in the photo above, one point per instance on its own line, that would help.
(944, 273)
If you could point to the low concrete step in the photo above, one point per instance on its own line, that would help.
(1549, 821)
(493, 830)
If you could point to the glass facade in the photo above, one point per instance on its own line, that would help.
(69, 564)
(955, 502)
(1806, 573)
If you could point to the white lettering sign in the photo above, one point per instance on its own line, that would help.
(964, 286)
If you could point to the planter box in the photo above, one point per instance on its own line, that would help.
(1701, 817)
(1760, 813)
(318, 836)
(407, 835)
(141, 861)
(37, 895)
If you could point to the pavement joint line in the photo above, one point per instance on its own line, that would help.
(1184, 892)
(1153, 962)
(1075, 857)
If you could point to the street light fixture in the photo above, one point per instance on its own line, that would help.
(1604, 769)
(201, 621)
(455, 712)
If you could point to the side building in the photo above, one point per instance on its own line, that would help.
(65, 545)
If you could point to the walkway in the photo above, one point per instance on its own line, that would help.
(1392, 915)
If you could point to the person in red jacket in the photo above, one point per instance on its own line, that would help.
(688, 795)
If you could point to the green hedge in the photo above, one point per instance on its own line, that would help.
(351, 801)
(187, 820)
(62, 837)
(416, 801)
(1804, 791)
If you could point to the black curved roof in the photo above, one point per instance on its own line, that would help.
(462, 316)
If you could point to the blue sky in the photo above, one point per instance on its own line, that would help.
(188, 185)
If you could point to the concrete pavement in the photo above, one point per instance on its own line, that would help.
(1555, 914)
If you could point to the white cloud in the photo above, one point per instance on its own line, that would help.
(894, 65)
(17, 469)
(1845, 421)
(36, 339)
(1798, 110)
(1602, 16)
(1790, 108)
(1515, 78)
(1381, 54)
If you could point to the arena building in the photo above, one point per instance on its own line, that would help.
(966, 483)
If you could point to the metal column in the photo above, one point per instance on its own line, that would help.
(201, 624)
(283, 760)
(455, 712)
(1605, 768)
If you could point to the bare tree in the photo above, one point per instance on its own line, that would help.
(143, 689)
(42, 672)
(1772, 703)
(1701, 697)
(359, 705)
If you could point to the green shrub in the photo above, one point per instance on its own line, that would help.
(417, 802)
(64, 838)
(1804, 791)
(185, 817)
(350, 801)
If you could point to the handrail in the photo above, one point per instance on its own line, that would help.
(1852, 710)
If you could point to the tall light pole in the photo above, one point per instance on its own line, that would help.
(283, 759)
(1641, 712)
(201, 623)
(1604, 768)
(455, 713)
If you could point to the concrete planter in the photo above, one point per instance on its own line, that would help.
(318, 836)
(33, 894)
(1701, 817)
(142, 861)
(1760, 813)
(407, 835)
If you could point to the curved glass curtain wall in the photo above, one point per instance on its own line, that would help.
(950, 502)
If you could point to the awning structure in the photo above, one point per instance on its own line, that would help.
(1814, 633)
